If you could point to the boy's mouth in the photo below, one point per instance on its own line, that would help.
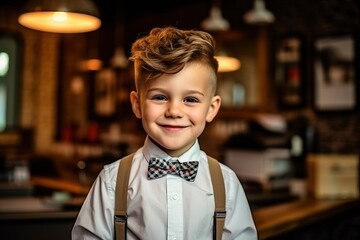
(172, 127)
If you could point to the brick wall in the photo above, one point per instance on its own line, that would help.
(39, 79)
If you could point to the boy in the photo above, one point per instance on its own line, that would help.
(175, 78)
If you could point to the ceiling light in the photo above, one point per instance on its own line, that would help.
(91, 64)
(61, 16)
(119, 60)
(259, 15)
(215, 22)
(227, 64)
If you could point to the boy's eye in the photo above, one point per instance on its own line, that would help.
(191, 100)
(159, 98)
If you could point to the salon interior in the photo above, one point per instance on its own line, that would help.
(289, 124)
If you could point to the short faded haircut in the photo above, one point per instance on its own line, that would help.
(167, 50)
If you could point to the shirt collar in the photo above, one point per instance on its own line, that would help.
(150, 149)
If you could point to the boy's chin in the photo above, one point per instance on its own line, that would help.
(171, 151)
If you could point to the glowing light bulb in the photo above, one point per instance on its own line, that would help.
(60, 17)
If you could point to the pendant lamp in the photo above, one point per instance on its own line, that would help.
(215, 22)
(227, 64)
(259, 15)
(61, 16)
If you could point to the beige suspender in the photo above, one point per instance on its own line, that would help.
(122, 183)
(219, 195)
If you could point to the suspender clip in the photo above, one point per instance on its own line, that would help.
(121, 218)
(220, 214)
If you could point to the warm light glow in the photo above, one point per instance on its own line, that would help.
(60, 17)
(4, 63)
(59, 22)
(77, 85)
(90, 65)
(228, 64)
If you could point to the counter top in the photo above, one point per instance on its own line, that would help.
(56, 184)
(31, 208)
(270, 221)
(282, 218)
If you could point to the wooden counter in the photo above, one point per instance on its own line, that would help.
(271, 222)
(277, 220)
(35, 218)
(60, 185)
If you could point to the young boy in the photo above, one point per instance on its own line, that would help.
(175, 77)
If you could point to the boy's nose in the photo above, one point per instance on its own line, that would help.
(174, 110)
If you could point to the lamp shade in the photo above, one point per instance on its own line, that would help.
(215, 22)
(259, 15)
(61, 16)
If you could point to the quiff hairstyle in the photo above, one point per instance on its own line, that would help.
(167, 50)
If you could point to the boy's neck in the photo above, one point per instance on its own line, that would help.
(171, 153)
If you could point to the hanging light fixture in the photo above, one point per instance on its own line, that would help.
(227, 64)
(61, 16)
(215, 22)
(259, 15)
(92, 61)
(119, 60)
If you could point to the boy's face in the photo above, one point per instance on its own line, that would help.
(174, 108)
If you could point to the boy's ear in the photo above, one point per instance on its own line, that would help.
(135, 104)
(213, 108)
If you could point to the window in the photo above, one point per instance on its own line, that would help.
(9, 81)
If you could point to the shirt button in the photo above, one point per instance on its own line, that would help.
(175, 196)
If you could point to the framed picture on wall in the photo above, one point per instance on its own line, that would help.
(334, 73)
(289, 70)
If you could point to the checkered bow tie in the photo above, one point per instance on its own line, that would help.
(160, 167)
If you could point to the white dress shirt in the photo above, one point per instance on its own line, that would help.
(164, 208)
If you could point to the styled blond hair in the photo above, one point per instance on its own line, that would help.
(167, 50)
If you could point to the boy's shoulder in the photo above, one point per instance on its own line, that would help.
(109, 172)
(228, 173)
(113, 165)
(112, 168)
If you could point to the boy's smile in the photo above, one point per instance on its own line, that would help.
(174, 108)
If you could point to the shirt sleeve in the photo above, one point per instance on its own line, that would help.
(239, 222)
(96, 217)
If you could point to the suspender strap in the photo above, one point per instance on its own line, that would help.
(219, 195)
(122, 183)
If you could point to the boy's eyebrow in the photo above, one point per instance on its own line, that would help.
(196, 92)
(164, 90)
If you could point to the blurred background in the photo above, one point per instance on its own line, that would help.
(290, 109)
